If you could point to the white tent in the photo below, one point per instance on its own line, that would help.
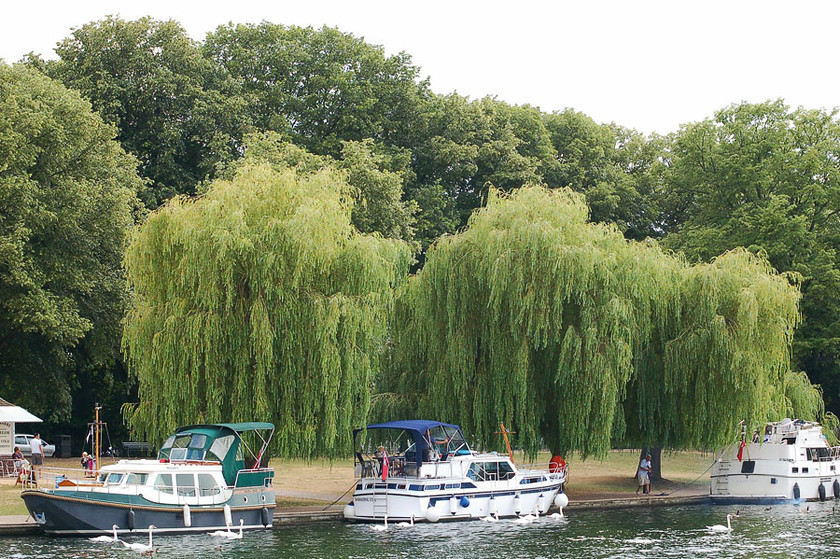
(10, 413)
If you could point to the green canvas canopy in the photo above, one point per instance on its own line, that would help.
(219, 442)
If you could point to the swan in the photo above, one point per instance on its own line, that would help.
(228, 534)
(141, 546)
(107, 539)
(527, 519)
(720, 527)
(490, 518)
(379, 527)
(556, 516)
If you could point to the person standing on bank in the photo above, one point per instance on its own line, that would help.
(36, 445)
(644, 475)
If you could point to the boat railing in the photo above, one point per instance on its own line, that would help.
(254, 477)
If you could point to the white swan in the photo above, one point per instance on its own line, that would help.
(721, 527)
(490, 518)
(527, 519)
(557, 516)
(107, 539)
(228, 534)
(141, 546)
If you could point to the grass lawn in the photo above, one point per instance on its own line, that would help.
(301, 483)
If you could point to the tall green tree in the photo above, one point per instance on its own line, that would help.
(260, 300)
(179, 113)
(766, 177)
(319, 87)
(615, 167)
(558, 326)
(67, 202)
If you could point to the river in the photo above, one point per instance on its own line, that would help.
(780, 531)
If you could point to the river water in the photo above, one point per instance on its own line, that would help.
(811, 531)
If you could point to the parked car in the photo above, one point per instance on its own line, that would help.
(22, 440)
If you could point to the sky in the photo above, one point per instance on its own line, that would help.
(646, 64)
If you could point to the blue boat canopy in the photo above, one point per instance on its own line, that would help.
(445, 438)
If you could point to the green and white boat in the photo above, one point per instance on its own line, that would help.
(201, 481)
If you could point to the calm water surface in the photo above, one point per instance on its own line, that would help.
(782, 531)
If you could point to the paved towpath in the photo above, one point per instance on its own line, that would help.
(694, 494)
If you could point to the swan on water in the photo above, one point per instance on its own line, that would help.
(107, 539)
(228, 534)
(141, 546)
(721, 527)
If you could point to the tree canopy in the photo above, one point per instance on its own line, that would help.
(67, 202)
(260, 299)
(574, 336)
(767, 178)
(176, 111)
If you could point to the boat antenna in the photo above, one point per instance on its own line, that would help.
(504, 432)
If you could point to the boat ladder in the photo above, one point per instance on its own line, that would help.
(380, 505)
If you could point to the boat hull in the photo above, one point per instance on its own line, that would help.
(61, 515)
(406, 505)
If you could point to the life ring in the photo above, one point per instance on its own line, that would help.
(557, 465)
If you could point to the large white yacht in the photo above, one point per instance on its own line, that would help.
(425, 471)
(788, 461)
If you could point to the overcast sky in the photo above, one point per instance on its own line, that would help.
(645, 64)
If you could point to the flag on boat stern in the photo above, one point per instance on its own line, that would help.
(741, 450)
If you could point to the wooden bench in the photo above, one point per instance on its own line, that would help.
(138, 447)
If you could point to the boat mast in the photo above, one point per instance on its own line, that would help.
(97, 436)
(504, 433)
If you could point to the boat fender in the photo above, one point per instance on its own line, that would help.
(187, 516)
(516, 507)
(228, 517)
(541, 503)
(265, 516)
(465, 501)
(432, 515)
(821, 491)
(349, 511)
(561, 501)
(796, 493)
(491, 506)
(453, 504)
(836, 488)
(131, 519)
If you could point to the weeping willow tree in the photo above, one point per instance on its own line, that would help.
(721, 355)
(260, 301)
(573, 336)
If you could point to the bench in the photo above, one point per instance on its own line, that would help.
(138, 447)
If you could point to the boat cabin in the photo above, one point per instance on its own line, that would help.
(415, 448)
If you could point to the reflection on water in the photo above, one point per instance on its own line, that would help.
(780, 531)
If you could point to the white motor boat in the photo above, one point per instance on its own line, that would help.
(425, 471)
(789, 461)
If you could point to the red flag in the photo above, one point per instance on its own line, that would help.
(741, 450)
(384, 466)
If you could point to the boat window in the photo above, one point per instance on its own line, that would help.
(136, 479)
(747, 466)
(101, 478)
(804, 470)
(163, 483)
(505, 470)
(794, 470)
(207, 485)
(186, 485)
(220, 448)
(114, 479)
